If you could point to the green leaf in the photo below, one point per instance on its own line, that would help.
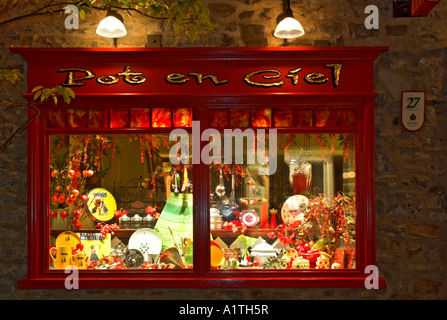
(46, 93)
(192, 35)
(70, 92)
(37, 95)
(37, 88)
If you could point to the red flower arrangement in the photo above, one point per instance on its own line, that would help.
(78, 249)
(328, 223)
(152, 211)
(70, 178)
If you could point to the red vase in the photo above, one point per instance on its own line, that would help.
(302, 178)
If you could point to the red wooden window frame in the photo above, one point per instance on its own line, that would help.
(355, 90)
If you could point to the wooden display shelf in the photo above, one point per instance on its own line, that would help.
(117, 233)
(248, 232)
(215, 232)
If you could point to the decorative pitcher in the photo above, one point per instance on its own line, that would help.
(62, 258)
(78, 261)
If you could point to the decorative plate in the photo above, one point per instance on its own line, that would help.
(249, 218)
(292, 211)
(217, 255)
(67, 239)
(145, 240)
(133, 259)
(101, 204)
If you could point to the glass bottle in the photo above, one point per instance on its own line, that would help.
(148, 222)
(135, 221)
(125, 222)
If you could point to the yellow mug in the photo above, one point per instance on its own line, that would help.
(79, 261)
(62, 259)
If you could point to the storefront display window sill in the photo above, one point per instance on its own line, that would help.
(205, 282)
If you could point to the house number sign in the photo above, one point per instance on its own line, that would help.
(413, 110)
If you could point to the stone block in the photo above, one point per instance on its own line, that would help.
(426, 286)
(425, 230)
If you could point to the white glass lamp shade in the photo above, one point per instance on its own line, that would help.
(289, 28)
(111, 27)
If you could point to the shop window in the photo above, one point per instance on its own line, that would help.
(289, 202)
(115, 192)
(299, 214)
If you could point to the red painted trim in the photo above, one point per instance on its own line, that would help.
(203, 283)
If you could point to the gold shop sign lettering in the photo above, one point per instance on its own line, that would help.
(258, 78)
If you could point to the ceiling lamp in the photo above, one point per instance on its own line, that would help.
(112, 26)
(288, 27)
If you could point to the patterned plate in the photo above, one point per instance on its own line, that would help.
(293, 209)
(249, 218)
(145, 240)
(67, 239)
(101, 204)
(133, 259)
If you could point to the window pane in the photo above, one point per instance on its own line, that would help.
(117, 202)
(161, 117)
(299, 214)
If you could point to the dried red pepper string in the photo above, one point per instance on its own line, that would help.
(100, 148)
(141, 149)
(286, 149)
(114, 147)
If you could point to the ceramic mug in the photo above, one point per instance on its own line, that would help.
(62, 258)
(78, 261)
(323, 262)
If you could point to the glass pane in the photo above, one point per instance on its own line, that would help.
(262, 117)
(119, 118)
(298, 214)
(303, 118)
(98, 119)
(56, 118)
(347, 118)
(139, 118)
(182, 117)
(161, 117)
(282, 118)
(77, 118)
(239, 118)
(118, 202)
(219, 118)
(325, 118)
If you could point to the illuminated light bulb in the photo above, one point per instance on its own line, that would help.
(289, 28)
(111, 26)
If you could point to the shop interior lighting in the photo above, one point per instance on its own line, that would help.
(288, 27)
(112, 26)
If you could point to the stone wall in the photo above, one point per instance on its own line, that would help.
(410, 167)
